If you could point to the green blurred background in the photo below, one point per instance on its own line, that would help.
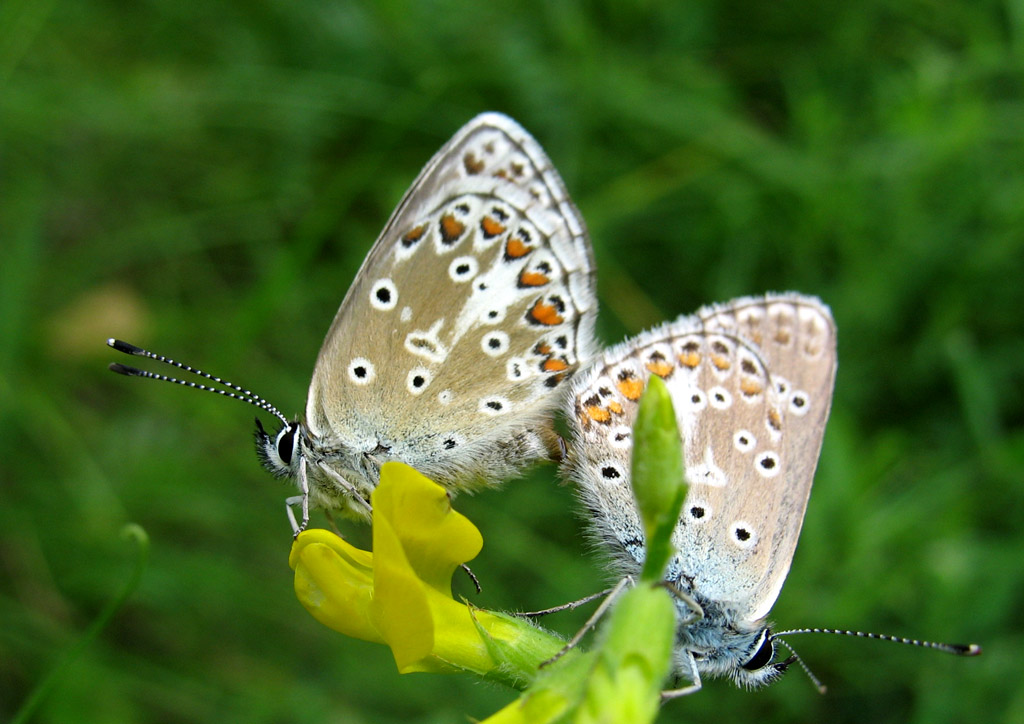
(205, 180)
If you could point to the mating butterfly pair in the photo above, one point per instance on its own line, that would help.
(471, 322)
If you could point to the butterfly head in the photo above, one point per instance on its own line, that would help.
(758, 666)
(721, 646)
(280, 452)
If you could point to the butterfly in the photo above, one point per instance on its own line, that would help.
(751, 383)
(454, 345)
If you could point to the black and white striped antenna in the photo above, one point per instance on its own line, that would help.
(955, 649)
(234, 391)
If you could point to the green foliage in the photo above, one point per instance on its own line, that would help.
(205, 180)
(633, 659)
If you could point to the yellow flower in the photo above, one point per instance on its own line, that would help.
(400, 594)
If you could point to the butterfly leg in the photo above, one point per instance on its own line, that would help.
(594, 618)
(302, 499)
(693, 675)
(290, 503)
(358, 500)
(696, 610)
(472, 576)
(566, 606)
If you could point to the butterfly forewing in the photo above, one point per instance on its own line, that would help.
(751, 416)
(472, 310)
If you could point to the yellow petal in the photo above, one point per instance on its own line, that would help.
(399, 610)
(435, 538)
(334, 581)
(418, 541)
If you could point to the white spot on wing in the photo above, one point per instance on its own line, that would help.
(742, 535)
(610, 472)
(494, 344)
(767, 464)
(744, 441)
(621, 437)
(799, 403)
(452, 441)
(494, 405)
(493, 315)
(517, 369)
(463, 268)
(696, 400)
(697, 512)
(706, 472)
(719, 398)
(383, 295)
(426, 344)
(418, 380)
(361, 371)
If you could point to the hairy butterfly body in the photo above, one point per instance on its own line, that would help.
(454, 345)
(751, 382)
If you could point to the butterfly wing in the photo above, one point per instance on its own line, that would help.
(796, 341)
(751, 382)
(471, 310)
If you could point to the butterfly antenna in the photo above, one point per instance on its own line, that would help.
(240, 393)
(956, 649)
(807, 670)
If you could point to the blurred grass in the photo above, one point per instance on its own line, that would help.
(206, 180)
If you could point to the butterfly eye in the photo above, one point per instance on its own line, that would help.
(764, 655)
(286, 443)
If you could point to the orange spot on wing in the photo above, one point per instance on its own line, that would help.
(615, 407)
(750, 388)
(631, 388)
(812, 348)
(415, 234)
(451, 228)
(532, 279)
(555, 365)
(472, 164)
(516, 248)
(546, 314)
(491, 226)
(721, 363)
(660, 368)
(774, 419)
(598, 414)
(689, 359)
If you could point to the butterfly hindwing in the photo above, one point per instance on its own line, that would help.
(751, 416)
